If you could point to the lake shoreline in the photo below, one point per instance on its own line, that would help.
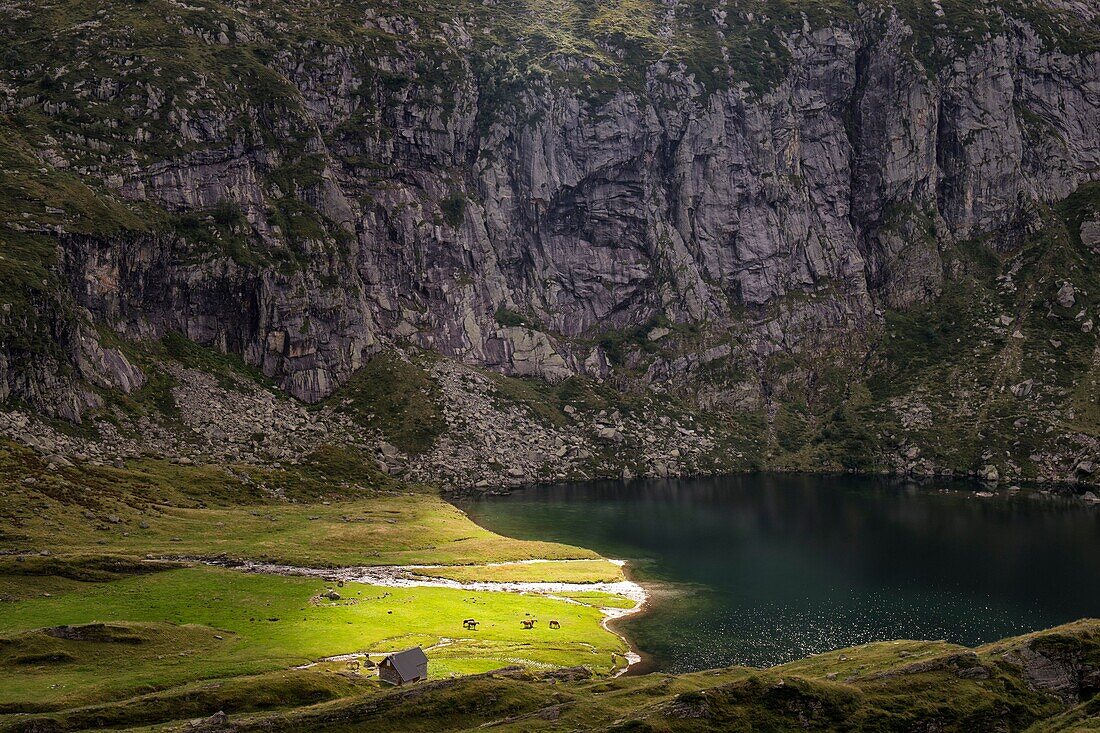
(1076, 489)
(638, 660)
(789, 565)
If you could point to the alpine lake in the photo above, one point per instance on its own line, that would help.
(760, 569)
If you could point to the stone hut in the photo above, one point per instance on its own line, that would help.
(398, 668)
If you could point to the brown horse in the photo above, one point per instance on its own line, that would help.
(555, 625)
(528, 624)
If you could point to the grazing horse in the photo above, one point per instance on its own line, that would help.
(528, 624)
(555, 625)
(470, 623)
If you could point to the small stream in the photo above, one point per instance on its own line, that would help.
(761, 569)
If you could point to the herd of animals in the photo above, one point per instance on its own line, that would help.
(472, 624)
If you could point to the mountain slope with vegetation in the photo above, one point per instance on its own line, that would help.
(822, 222)
(274, 276)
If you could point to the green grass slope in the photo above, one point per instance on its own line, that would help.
(1040, 682)
(174, 627)
(77, 542)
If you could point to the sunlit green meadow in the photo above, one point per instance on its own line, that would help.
(197, 623)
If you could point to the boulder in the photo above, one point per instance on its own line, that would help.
(1090, 235)
(658, 333)
(610, 433)
(1055, 666)
(1023, 389)
(1066, 295)
(219, 721)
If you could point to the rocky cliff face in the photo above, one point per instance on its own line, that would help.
(526, 186)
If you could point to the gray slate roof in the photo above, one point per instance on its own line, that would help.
(407, 662)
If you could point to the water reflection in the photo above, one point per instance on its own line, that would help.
(786, 565)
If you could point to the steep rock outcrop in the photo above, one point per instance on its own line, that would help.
(398, 189)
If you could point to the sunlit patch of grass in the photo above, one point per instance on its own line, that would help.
(176, 626)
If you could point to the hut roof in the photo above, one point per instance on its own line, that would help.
(406, 662)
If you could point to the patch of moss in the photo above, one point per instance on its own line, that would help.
(454, 209)
(509, 318)
(396, 396)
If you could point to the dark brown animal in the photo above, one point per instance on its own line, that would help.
(528, 624)
(555, 625)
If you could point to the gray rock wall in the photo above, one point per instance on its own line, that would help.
(784, 218)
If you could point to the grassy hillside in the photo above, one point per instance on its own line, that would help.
(892, 686)
(172, 627)
(94, 633)
(155, 507)
(1040, 682)
(77, 542)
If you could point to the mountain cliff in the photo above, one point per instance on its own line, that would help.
(865, 234)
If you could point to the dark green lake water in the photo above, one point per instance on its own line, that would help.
(769, 568)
